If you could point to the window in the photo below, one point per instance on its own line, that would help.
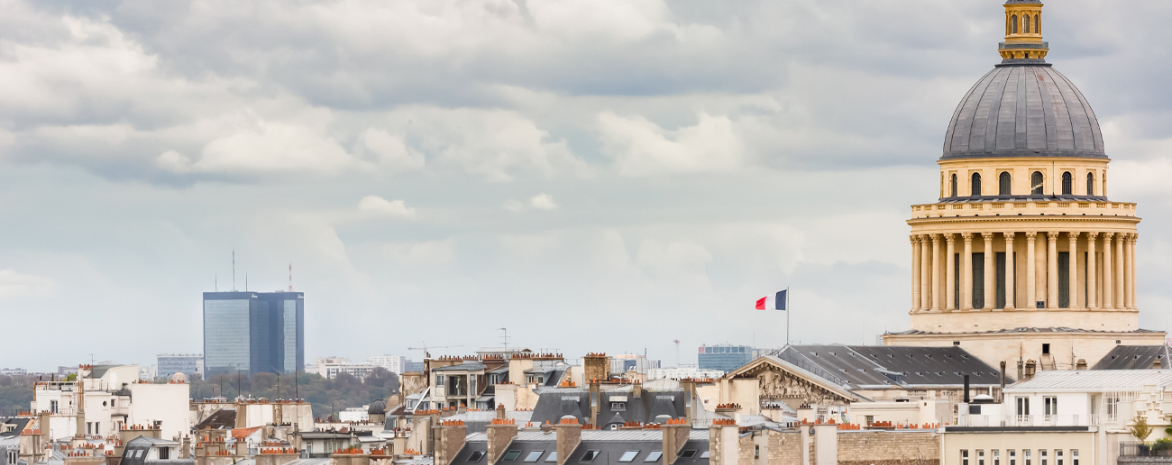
(1042, 455)
(552, 457)
(1050, 405)
(653, 456)
(1023, 406)
(138, 454)
(964, 457)
(1013, 22)
(1067, 183)
(1036, 181)
(533, 456)
(954, 184)
(476, 456)
(705, 454)
(1012, 454)
(589, 456)
(1058, 456)
(691, 453)
(1025, 455)
(439, 380)
(1090, 183)
(164, 453)
(1074, 457)
(53, 406)
(980, 457)
(628, 456)
(756, 451)
(1038, 23)
(511, 456)
(1005, 185)
(1112, 407)
(976, 184)
(618, 406)
(996, 457)
(1045, 348)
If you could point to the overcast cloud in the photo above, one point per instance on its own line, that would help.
(595, 175)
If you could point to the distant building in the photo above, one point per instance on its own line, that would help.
(253, 332)
(13, 371)
(627, 362)
(724, 357)
(682, 372)
(188, 364)
(330, 367)
(396, 364)
(414, 366)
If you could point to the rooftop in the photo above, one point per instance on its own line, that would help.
(1094, 380)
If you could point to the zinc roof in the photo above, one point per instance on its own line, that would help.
(1094, 380)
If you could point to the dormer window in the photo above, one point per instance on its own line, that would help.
(618, 406)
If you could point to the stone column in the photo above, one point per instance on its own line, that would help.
(1128, 272)
(915, 273)
(990, 272)
(1092, 302)
(1031, 274)
(1134, 279)
(966, 294)
(950, 272)
(1108, 273)
(1052, 270)
(925, 273)
(1010, 271)
(937, 296)
(1072, 283)
(1119, 259)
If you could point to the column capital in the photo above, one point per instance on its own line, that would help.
(1030, 235)
(936, 239)
(968, 237)
(988, 237)
(1052, 237)
(915, 239)
(1134, 237)
(1107, 235)
(950, 238)
(1009, 235)
(1073, 235)
(1092, 234)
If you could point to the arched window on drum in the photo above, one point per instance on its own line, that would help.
(1090, 183)
(1067, 183)
(1005, 186)
(976, 185)
(1036, 181)
(953, 189)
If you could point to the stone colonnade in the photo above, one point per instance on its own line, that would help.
(1108, 268)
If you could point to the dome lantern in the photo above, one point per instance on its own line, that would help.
(1023, 33)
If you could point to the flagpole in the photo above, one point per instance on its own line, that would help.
(788, 310)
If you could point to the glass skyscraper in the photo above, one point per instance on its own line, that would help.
(253, 332)
(724, 357)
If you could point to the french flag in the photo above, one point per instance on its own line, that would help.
(773, 302)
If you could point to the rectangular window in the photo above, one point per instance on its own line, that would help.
(692, 453)
(1023, 406)
(980, 457)
(1042, 455)
(756, 451)
(1050, 405)
(164, 453)
(1112, 408)
(53, 406)
(1012, 455)
(1064, 279)
(628, 456)
(1058, 456)
(1000, 264)
(996, 457)
(1074, 457)
(655, 454)
(979, 280)
(956, 281)
(511, 456)
(589, 456)
(439, 380)
(618, 406)
(475, 456)
(552, 457)
(533, 456)
(964, 457)
(1025, 455)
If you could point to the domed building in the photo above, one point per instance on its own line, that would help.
(1023, 256)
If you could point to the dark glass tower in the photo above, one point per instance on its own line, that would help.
(253, 332)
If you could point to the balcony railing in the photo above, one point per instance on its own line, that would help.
(1028, 420)
(1023, 207)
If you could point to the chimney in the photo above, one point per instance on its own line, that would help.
(43, 419)
(569, 435)
(1155, 364)
(595, 401)
(723, 442)
(241, 414)
(452, 434)
(689, 387)
(1081, 364)
(675, 436)
(1030, 369)
(80, 406)
(500, 412)
(500, 434)
(596, 367)
(999, 395)
(399, 443)
(241, 447)
(966, 389)
(185, 449)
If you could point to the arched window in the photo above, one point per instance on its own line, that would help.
(1013, 21)
(954, 184)
(976, 184)
(1036, 183)
(1025, 24)
(1038, 23)
(1090, 183)
(1067, 183)
(1004, 184)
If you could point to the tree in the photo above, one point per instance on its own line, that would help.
(1141, 429)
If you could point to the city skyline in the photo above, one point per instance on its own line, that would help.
(714, 155)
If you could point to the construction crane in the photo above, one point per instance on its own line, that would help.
(426, 349)
(677, 341)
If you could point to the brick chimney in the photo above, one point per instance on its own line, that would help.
(500, 434)
(675, 436)
(569, 435)
(43, 421)
(596, 367)
(451, 441)
(185, 449)
(595, 399)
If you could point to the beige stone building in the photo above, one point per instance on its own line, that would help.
(1024, 256)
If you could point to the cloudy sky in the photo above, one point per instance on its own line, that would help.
(602, 175)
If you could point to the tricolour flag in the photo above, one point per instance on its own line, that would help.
(772, 302)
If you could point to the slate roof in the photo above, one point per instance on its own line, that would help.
(1093, 380)
(466, 366)
(555, 403)
(883, 366)
(221, 419)
(1028, 110)
(1133, 357)
(608, 445)
(18, 424)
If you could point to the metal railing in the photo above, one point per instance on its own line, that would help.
(1028, 420)
(1141, 449)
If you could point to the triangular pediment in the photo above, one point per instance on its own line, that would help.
(782, 381)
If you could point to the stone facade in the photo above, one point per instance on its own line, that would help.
(888, 448)
(798, 447)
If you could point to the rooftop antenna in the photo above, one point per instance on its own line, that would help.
(290, 276)
(245, 281)
(506, 330)
(233, 270)
(677, 341)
